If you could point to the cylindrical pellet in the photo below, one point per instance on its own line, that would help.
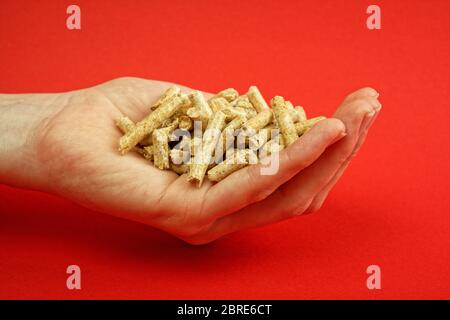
(211, 136)
(230, 165)
(150, 123)
(257, 99)
(167, 95)
(304, 126)
(161, 149)
(284, 120)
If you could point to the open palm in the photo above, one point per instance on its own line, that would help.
(77, 149)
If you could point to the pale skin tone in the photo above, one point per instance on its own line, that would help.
(66, 144)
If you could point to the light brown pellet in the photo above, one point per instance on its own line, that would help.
(185, 123)
(304, 126)
(272, 146)
(167, 95)
(125, 124)
(227, 137)
(179, 168)
(239, 160)
(161, 149)
(264, 135)
(257, 99)
(150, 123)
(259, 121)
(199, 164)
(200, 110)
(229, 94)
(299, 114)
(284, 120)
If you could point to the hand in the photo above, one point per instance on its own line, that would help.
(72, 152)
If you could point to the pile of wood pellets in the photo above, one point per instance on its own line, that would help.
(188, 134)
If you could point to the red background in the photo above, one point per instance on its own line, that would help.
(391, 208)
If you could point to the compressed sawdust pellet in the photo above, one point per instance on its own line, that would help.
(284, 120)
(200, 109)
(153, 121)
(239, 160)
(200, 163)
(259, 121)
(161, 149)
(229, 94)
(125, 124)
(303, 126)
(257, 99)
(169, 94)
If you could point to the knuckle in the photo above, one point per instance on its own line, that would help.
(256, 192)
(261, 195)
(288, 155)
(293, 156)
(251, 174)
(258, 195)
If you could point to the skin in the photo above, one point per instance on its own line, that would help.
(66, 144)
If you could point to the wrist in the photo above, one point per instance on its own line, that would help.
(23, 118)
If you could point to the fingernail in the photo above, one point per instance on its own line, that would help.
(378, 106)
